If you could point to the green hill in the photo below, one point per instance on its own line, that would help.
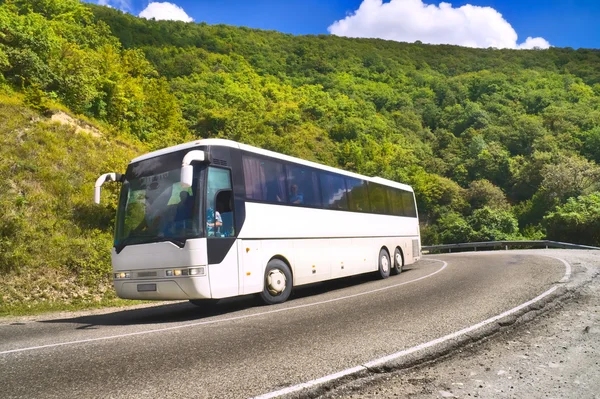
(468, 128)
(498, 144)
(54, 243)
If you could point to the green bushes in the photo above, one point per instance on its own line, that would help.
(578, 220)
(53, 241)
(54, 49)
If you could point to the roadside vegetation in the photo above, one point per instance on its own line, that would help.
(498, 144)
(54, 244)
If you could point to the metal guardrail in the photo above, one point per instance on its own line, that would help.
(506, 244)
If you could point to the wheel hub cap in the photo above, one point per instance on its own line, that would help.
(384, 264)
(276, 282)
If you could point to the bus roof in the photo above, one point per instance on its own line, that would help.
(272, 154)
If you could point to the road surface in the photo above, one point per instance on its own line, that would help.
(243, 349)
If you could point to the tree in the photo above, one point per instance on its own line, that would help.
(453, 229)
(577, 221)
(483, 193)
(570, 177)
(493, 225)
(436, 195)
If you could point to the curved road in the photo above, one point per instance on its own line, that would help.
(242, 349)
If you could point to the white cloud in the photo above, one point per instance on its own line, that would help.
(412, 20)
(534, 42)
(165, 11)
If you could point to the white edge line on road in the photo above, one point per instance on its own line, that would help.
(203, 323)
(567, 275)
(394, 356)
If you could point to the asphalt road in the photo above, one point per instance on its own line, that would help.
(242, 349)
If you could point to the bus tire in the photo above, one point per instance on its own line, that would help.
(398, 262)
(278, 282)
(384, 264)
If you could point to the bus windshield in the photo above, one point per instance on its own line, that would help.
(154, 207)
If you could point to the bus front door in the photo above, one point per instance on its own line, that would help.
(221, 235)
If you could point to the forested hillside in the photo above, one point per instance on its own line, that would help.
(494, 141)
(498, 144)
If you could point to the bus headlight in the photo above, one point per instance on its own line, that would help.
(192, 271)
(197, 271)
(122, 275)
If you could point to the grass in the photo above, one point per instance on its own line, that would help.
(37, 308)
(54, 242)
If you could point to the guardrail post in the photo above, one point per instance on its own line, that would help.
(506, 247)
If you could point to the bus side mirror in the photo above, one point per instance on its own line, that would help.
(187, 174)
(187, 170)
(103, 179)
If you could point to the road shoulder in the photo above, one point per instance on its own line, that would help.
(551, 352)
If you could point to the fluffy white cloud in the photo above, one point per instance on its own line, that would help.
(165, 11)
(412, 20)
(534, 42)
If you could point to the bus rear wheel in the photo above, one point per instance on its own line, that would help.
(398, 262)
(384, 264)
(278, 282)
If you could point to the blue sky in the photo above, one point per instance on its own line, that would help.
(565, 23)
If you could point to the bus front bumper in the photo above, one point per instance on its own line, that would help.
(164, 289)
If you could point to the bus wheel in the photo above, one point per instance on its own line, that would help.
(384, 264)
(278, 282)
(398, 263)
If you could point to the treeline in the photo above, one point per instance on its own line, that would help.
(498, 144)
(54, 49)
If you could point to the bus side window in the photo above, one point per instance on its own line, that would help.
(264, 180)
(303, 186)
(224, 204)
(219, 209)
(358, 195)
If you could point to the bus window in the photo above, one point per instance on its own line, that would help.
(333, 191)
(395, 201)
(408, 200)
(303, 186)
(264, 180)
(358, 195)
(378, 198)
(224, 205)
(219, 211)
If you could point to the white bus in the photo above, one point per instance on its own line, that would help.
(217, 219)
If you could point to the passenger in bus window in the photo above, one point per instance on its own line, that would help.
(213, 223)
(185, 206)
(224, 205)
(295, 197)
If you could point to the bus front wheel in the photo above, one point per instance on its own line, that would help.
(384, 264)
(278, 282)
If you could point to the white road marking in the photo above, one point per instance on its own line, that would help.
(567, 275)
(203, 323)
(395, 356)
